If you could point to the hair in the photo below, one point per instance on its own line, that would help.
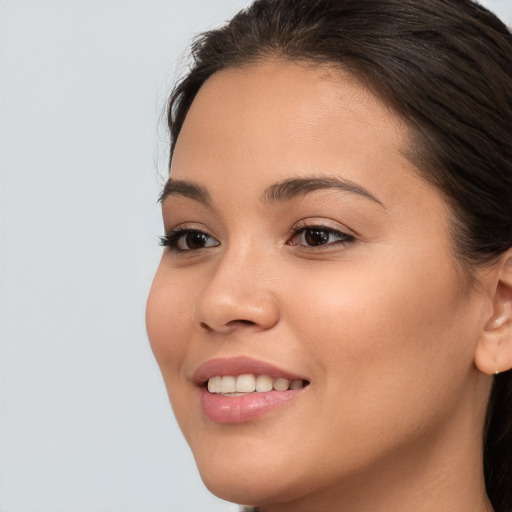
(445, 67)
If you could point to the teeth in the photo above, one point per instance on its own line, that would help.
(297, 384)
(245, 383)
(249, 383)
(214, 384)
(281, 384)
(227, 384)
(263, 384)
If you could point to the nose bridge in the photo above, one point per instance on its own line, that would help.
(241, 291)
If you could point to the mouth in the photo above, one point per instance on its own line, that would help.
(231, 385)
(239, 390)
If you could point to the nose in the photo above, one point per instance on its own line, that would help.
(240, 294)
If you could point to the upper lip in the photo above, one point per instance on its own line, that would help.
(239, 366)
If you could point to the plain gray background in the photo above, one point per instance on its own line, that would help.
(85, 424)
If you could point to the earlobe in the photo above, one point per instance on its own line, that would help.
(494, 351)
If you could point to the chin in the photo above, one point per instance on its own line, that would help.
(238, 489)
(256, 487)
(250, 480)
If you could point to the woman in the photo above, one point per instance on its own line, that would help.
(332, 312)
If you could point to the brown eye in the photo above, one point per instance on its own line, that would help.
(184, 240)
(193, 240)
(316, 236)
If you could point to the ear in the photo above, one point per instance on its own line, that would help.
(494, 350)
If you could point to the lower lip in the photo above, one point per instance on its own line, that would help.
(240, 409)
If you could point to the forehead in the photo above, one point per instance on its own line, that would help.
(273, 120)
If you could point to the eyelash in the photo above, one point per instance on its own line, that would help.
(344, 238)
(172, 239)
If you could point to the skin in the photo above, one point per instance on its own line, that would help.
(386, 328)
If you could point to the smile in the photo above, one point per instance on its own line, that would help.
(241, 389)
(230, 385)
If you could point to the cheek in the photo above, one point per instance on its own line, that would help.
(386, 333)
(386, 347)
(169, 312)
(385, 303)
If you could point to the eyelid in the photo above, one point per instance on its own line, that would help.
(317, 222)
(172, 236)
(345, 235)
(189, 226)
(181, 226)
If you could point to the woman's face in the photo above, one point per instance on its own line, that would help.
(304, 245)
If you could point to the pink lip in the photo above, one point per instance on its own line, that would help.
(241, 409)
(239, 366)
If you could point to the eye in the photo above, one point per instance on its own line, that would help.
(184, 240)
(316, 236)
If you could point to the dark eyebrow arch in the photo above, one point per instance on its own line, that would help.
(185, 189)
(294, 187)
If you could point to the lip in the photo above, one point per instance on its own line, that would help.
(241, 409)
(239, 366)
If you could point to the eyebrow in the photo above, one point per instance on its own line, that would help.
(185, 189)
(294, 187)
(282, 191)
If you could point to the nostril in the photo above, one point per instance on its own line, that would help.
(206, 327)
(242, 322)
(227, 327)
